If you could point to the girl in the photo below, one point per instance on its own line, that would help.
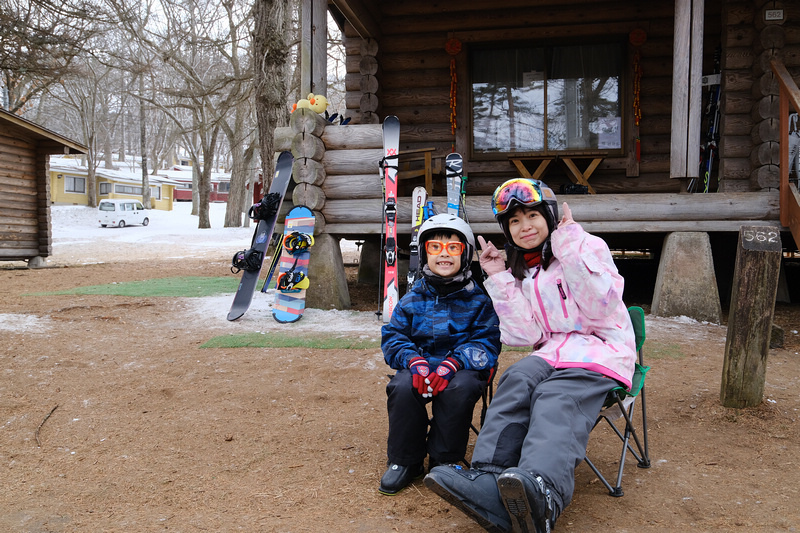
(561, 294)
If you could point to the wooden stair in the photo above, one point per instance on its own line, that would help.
(789, 196)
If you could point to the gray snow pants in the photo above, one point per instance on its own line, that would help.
(539, 420)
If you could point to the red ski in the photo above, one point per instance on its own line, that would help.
(391, 149)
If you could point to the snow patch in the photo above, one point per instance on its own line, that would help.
(16, 323)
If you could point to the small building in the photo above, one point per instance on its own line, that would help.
(25, 149)
(68, 179)
(182, 174)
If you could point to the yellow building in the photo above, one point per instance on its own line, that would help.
(68, 185)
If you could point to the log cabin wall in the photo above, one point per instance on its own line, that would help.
(25, 231)
(749, 145)
(407, 73)
(21, 204)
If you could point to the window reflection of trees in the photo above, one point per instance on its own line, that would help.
(581, 88)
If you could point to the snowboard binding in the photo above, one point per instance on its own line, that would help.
(266, 208)
(248, 260)
(297, 242)
(292, 280)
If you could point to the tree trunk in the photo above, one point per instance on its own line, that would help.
(143, 148)
(270, 54)
(209, 143)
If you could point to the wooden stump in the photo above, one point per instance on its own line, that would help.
(326, 274)
(755, 285)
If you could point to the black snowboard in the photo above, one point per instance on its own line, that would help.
(266, 212)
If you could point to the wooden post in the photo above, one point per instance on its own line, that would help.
(755, 285)
(686, 89)
(313, 48)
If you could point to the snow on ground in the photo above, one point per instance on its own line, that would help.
(76, 230)
(10, 322)
(211, 312)
(79, 239)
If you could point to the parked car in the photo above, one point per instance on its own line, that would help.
(122, 213)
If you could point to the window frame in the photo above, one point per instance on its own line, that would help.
(548, 45)
(73, 180)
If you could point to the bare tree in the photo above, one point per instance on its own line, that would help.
(81, 96)
(271, 54)
(39, 40)
(192, 44)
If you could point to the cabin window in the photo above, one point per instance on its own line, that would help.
(73, 184)
(127, 189)
(105, 188)
(155, 193)
(546, 99)
(224, 186)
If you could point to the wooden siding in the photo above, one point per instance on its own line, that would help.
(749, 122)
(408, 72)
(20, 216)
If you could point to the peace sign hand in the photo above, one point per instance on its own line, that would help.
(491, 260)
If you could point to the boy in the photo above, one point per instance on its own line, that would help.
(443, 340)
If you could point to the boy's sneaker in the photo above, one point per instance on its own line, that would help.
(397, 477)
(528, 501)
(474, 492)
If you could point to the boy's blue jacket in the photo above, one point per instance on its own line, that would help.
(462, 325)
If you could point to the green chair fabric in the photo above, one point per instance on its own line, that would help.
(620, 404)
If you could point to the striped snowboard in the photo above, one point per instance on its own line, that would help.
(289, 306)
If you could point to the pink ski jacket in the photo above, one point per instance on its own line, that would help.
(572, 313)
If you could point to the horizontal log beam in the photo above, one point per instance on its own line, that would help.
(605, 212)
(598, 228)
(18, 254)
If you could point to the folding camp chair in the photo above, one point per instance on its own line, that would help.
(486, 397)
(620, 405)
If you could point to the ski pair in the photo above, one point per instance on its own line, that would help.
(418, 211)
(709, 150)
(456, 185)
(388, 169)
(266, 213)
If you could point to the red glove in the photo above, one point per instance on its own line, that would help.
(419, 371)
(444, 373)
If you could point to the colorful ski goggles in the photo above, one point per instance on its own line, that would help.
(454, 248)
(520, 190)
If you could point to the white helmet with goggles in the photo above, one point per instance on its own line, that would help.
(445, 223)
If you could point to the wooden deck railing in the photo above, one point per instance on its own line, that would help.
(789, 197)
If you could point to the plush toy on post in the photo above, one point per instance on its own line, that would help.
(317, 103)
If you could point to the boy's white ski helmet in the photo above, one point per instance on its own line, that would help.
(444, 223)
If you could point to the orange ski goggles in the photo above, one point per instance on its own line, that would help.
(453, 248)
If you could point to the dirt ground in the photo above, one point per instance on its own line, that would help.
(113, 419)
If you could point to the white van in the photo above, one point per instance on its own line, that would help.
(122, 213)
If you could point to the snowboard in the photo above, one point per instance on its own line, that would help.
(266, 213)
(418, 199)
(391, 149)
(292, 280)
(453, 164)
